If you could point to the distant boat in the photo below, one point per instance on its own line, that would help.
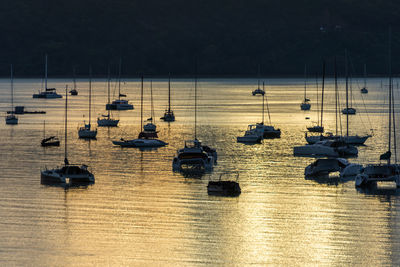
(69, 173)
(328, 148)
(12, 119)
(322, 167)
(119, 104)
(74, 91)
(349, 110)
(49, 141)
(48, 92)
(364, 90)
(267, 131)
(169, 114)
(305, 105)
(144, 140)
(86, 131)
(251, 135)
(107, 120)
(150, 128)
(258, 91)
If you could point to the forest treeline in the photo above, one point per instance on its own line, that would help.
(227, 37)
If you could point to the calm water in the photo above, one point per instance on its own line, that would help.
(141, 213)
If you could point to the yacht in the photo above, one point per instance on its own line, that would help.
(193, 155)
(69, 173)
(326, 148)
(48, 92)
(323, 167)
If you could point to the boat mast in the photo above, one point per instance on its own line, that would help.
(390, 92)
(12, 89)
(74, 74)
(195, 100)
(65, 129)
(258, 76)
(305, 82)
(316, 81)
(266, 100)
(141, 104)
(263, 107)
(108, 87)
(169, 93)
(322, 94)
(45, 73)
(151, 101)
(347, 92)
(44, 129)
(365, 75)
(90, 92)
(119, 79)
(336, 98)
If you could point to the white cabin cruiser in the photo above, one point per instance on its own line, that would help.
(322, 167)
(327, 148)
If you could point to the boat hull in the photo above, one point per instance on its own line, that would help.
(140, 143)
(88, 134)
(12, 121)
(305, 106)
(249, 139)
(119, 107)
(312, 150)
(54, 143)
(223, 188)
(350, 140)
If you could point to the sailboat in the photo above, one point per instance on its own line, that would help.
(348, 139)
(49, 141)
(74, 91)
(364, 90)
(119, 104)
(150, 129)
(320, 128)
(305, 105)
(69, 173)
(349, 110)
(12, 119)
(268, 131)
(107, 120)
(252, 135)
(258, 91)
(389, 172)
(169, 114)
(144, 140)
(48, 92)
(194, 154)
(86, 131)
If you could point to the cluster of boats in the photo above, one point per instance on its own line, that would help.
(195, 156)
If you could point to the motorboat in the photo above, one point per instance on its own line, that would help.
(69, 173)
(50, 141)
(48, 93)
(350, 140)
(364, 90)
(87, 132)
(326, 148)
(169, 113)
(349, 111)
(374, 173)
(119, 104)
(323, 167)
(193, 155)
(140, 142)
(252, 135)
(224, 187)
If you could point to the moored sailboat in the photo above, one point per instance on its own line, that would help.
(305, 105)
(107, 120)
(119, 104)
(169, 113)
(12, 119)
(86, 131)
(48, 92)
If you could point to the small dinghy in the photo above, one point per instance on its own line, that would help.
(222, 187)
